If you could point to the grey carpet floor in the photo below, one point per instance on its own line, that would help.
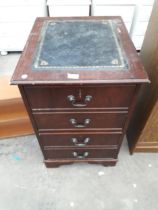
(26, 184)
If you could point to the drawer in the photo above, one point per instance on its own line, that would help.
(80, 139)
(68, 10)
(140, 28)
(128, 26)
(148, 2)
(80, 153)
(79, 120)
(13, 43)
(11, 29)
(20, 13)
(138, 41)
(125, 11)
(79, 97)
(144, 13)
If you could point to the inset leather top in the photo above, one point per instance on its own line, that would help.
(79, 44)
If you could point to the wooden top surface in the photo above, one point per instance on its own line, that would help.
(94, 52)
(6, 90)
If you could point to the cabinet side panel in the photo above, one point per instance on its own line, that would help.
(28, 108)
(133, 124)
(144, 122)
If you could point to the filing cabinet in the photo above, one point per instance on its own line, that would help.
(79, 78)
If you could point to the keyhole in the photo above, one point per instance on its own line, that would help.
(80, 94)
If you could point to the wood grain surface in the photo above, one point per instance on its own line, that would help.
(142, 132)
(56, 119)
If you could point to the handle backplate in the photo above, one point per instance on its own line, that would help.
(80, 144)
(80, 155)
(80, 125)
(74, 102)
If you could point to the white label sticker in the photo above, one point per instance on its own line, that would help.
(24, 76)
(72, 76)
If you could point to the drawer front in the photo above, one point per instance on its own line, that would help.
(128, 26)
(20, 13)
(68, 10)
(11, 29)
(80, 120)
(80, 153)
(125, 11)
(144, 13)
(138, 41)
(79, 139)
(12, 43)
(79, 97)
(140, 28)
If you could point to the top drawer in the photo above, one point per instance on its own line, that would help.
(48, 97)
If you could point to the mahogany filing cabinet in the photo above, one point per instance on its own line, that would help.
(79, 78)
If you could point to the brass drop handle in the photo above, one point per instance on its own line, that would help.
(74, 102)
(79, 125)
(80, 155)
(77, 143)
